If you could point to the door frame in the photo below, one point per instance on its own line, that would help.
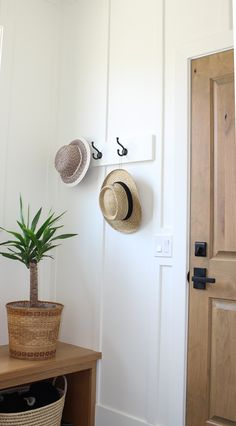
(182, 126)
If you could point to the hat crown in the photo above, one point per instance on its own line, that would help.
(114, 202)
(119, 201)
(68, 159)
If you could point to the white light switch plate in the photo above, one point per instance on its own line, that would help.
(163, 245)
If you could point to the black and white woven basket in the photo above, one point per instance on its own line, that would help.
(49, 415)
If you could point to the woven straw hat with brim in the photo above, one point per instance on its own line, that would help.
(119, 201)
(72, 161)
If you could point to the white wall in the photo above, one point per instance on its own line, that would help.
(123, 70)
(28, 92)
(112, 85)
(123, 64)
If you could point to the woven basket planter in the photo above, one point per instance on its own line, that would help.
(33, 332)
(50, 415)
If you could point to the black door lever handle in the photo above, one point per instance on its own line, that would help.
(203, 280)
(200, 279)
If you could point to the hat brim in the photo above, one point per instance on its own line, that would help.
(81, 171)
(132, 224)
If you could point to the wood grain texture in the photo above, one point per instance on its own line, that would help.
(219, 422)
(223, 359)
(80, 400)
(211, 342)
(69, 359)
(224, 233)
(77, 363)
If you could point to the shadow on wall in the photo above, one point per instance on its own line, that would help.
(146, 198)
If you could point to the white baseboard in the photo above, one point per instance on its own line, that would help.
(108, 417)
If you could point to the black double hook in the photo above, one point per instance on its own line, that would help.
(99, 153)
(124, 150)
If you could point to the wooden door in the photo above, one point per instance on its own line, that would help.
(211, 384)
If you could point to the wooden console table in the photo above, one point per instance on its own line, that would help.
(79, 366)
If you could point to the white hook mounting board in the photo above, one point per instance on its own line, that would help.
(140, 148)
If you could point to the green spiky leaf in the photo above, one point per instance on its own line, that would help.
(63, 237)
(35, 220)
(34, 240)
(11, 256)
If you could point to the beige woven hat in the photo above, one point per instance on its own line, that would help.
(72, 161)
(119, 201)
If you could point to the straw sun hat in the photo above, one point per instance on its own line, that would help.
(72, 161)
(119, 201)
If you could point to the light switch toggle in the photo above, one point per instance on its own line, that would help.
(163, 245)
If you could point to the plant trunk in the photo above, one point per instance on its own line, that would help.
(33, 266)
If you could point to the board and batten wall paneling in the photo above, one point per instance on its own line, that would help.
(99, 274)
(82, 113)
(130, 290)
(28, 87)
(102, 69)
(127, 66)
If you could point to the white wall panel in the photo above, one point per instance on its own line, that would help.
(102, 69)
(107, 416)
(28, 85)
(134, 106)
(119, 80)
(82, 112)
(165, 345)
(135, 67)
(191, 20)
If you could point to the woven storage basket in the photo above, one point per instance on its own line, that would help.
(33, 332)
(50, 415)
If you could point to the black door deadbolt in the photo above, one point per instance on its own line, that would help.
(200, 249)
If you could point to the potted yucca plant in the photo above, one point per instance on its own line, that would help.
(33, 325)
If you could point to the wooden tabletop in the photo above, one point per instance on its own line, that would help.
(68, 359)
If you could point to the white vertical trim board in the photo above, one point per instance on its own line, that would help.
(166, 349)
(1, 40)
(101, 282)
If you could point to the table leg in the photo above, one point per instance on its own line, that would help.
(81, 397)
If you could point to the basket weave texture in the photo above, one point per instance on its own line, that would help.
(45, 416)
(50, 415)
(33, 332)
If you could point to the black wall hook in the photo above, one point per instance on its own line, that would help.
(124, 150)
(99, 153)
